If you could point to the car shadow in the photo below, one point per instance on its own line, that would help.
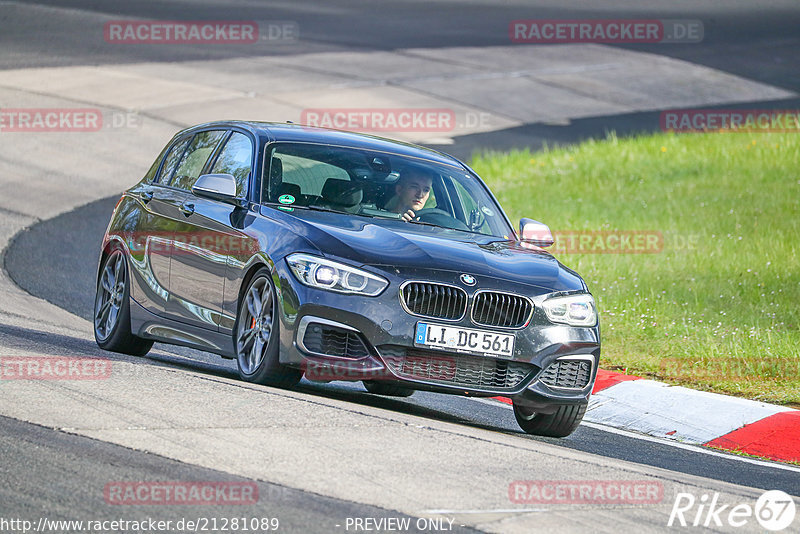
(35, 342)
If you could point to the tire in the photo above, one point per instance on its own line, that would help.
(558, 424)
(257, 335)
(389, 390)
(112, 308)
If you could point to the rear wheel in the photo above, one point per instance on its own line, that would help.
(558, 424)
(389, 390)
(257, 336)
(112, 309)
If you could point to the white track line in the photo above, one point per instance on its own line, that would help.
(693, 448)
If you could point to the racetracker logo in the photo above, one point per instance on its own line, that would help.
(65, 120)
(50, 120)
(181, 32)
(607, 242)
(343, 370)
(192, 243)
(731, 120)
(421, 368)
(54, 368)
(180, 493)
(586, 492)
(381, 119)
(549, 31)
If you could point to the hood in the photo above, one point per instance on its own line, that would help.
(406, 246)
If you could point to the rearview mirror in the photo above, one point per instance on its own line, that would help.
(220, 187)
(536, 233)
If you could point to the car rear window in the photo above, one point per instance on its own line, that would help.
(195, 158)
(171, 161)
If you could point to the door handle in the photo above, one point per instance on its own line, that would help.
(187, 209)
(146, 196)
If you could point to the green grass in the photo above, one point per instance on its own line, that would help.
(717, 309)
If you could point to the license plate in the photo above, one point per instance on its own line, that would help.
(457, 339)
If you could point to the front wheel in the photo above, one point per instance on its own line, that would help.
(257, 336)
(112, 309)
(558, 424)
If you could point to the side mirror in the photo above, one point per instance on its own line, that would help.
(220, 187)
(535, 233)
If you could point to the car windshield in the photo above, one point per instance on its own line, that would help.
(366, 183)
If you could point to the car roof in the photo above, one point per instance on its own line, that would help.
(299, 133)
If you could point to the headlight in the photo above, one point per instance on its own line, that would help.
(574, 310)
(326, 274)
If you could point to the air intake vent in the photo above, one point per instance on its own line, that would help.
(572, 374)
(501, 309)
(461, 370)
(333, 341)
(434, 300)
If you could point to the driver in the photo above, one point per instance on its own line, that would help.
(411, 192)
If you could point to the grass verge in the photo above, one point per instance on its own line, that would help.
(715, 305)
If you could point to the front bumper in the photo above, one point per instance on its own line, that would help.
(335, 336)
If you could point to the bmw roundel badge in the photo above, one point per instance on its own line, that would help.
(468, 279)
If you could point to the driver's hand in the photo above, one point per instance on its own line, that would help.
(408, 216)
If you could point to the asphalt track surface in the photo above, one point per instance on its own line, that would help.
(755, 40)
(78, 469)
(72, 239)
(55, 259)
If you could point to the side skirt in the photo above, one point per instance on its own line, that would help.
(150, 326)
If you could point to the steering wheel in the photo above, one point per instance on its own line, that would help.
(440, 218)
(476, 219)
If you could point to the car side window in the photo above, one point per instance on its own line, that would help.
(171, 161)
(151, 174)
(195, 158)
(236, 159)
(307, 174)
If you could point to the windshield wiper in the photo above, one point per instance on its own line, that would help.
(314, 207)
(429, 224)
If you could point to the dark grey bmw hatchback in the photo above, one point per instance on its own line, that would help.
(341, 256)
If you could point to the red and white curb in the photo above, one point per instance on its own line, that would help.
(694, 417)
